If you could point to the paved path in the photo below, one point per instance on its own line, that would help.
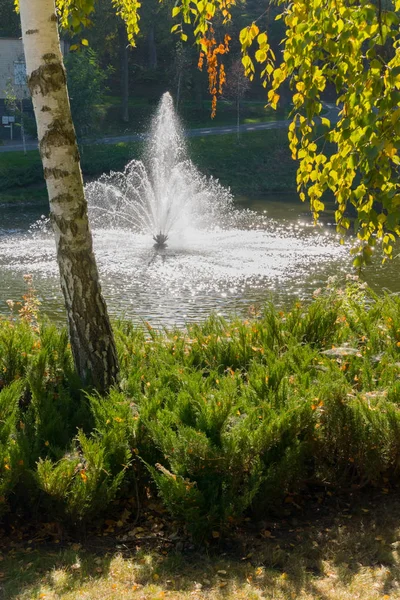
(332, 115)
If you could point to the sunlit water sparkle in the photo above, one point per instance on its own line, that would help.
(219, 257)
(200, 271)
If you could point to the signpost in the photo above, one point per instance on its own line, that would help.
(7, 122)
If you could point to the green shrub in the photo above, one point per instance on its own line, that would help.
(81, 484)
(17, 345)
(225, 418)
(11, 457)
(358, 436)
(19, 170)
(88, 477)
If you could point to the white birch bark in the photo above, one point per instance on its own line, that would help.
(90, 332)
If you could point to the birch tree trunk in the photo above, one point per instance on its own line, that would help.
(91, 336)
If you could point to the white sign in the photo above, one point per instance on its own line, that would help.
(5, 120)
(11, 119)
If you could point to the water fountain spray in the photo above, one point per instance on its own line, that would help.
(162, 193)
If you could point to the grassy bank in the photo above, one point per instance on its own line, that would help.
(258, 164)
(339, 552)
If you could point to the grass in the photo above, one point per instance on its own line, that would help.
(32, 194)
(268, 166)
(326, 551)
(18, 170)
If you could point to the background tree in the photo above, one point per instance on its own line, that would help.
(107, 35)
(14, 102)
(182, 62)
(237, 85)
(124, 65)
(86, 87)
(10, 25)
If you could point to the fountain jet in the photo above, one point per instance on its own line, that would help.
(160, 240)
(161, 193)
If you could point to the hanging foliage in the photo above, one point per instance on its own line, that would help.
(210, 50)
(353, 48)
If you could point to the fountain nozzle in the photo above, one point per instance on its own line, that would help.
(160, 240)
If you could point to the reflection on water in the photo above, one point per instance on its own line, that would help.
(281, 256)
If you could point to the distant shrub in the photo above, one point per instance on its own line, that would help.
(17, 170)
(100, 158)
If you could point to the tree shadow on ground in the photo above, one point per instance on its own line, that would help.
(325, 550)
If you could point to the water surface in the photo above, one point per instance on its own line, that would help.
(279, 255)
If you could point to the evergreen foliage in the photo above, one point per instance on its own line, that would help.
(225, 418)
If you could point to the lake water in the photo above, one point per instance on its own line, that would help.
(280, 256)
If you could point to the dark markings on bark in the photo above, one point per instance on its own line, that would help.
(59, 222)
(71, 225)
(55, 173)
(49, 57)
(45, 108)
(62, 199)
(93, 348)
(58, 134)
(81, 212)
(47, 78)
(31, 31)
(53, 18)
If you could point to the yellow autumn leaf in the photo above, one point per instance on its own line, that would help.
(254, 30)
(262, 39)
